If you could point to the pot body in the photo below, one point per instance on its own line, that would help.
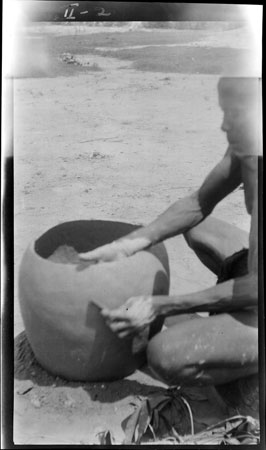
(59, 301)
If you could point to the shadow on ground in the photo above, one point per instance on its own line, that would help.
(27, 368)
(241, 395)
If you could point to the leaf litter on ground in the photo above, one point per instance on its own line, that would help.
(167, 417)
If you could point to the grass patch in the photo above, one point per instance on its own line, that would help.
(181, 59)
(186, 60)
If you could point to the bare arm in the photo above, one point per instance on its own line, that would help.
(180, 217)
(138, 312)
(189, 211)
(229, 296)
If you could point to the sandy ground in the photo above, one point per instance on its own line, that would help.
(117, 144)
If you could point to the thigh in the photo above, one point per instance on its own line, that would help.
(177, 319)
(226, 344)
(214, 240)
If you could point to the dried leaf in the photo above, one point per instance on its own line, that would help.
(129, 425)
(155, 419)
(167, 413)
(230, 441)
(195, 394)
(152, 431)
(247, 425)
(190, 414)
(251, 440)
(228, 431)
(164, 420)
(144, 420)
(158, 401)
(106, 438)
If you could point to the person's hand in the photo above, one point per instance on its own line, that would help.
(132, 317)
(105, 253)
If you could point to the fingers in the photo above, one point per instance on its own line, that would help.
(120, 328)
(128, 319)
(115, 314)
(118, 322)
(106, 253)
(82, 265)
(123, 329)
(89, 256)
(124, 334)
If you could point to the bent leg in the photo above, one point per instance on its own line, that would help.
(213, 350)
(214, 240)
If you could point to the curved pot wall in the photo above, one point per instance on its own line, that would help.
(59, 300)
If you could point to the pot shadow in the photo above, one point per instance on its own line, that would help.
(27, 368)
(242, 398)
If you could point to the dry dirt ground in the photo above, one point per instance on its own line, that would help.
(108, 136)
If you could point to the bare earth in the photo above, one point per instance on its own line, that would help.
(118, 144)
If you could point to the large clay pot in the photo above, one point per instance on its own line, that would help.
(64, 327)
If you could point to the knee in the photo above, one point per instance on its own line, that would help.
(165, 364)
(174, 365)
(157, 360)
(191, 237)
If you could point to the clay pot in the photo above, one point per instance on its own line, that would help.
(58, 301)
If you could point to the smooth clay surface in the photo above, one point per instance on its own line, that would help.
(61, 299)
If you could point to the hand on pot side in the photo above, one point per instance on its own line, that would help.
(132, 317)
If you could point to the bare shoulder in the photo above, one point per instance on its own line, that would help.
(230, 155)
(249, 170)
(221, 181)
(230, 164)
